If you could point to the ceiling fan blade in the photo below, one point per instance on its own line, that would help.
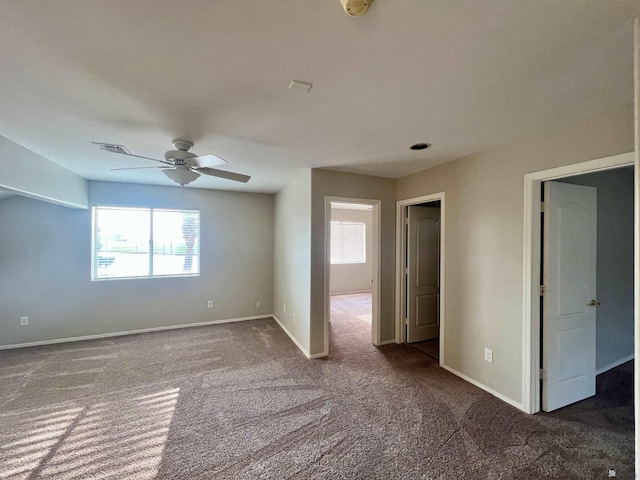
(122, 150)
(134, 168)
(236, 177)
(209, 160)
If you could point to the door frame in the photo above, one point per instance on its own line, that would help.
(375, 266)
(531, 279)
(401, 252)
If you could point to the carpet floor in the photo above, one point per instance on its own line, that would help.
(239, 401)
(430, 347)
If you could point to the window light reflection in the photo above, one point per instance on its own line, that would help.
(109, 439)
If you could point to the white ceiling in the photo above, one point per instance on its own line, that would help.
(464, 75)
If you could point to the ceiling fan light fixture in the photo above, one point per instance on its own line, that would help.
(181, 175)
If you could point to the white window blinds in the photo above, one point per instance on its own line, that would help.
(348, 242)
(132, 242)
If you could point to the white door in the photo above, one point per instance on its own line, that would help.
(569, 302)
(423, 274)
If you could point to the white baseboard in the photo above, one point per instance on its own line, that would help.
(508, 400)
(130, 332)
(294, 340)
(318, 355)
(615, 364)
(387, 342)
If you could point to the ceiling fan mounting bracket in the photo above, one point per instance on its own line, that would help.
(183, 145)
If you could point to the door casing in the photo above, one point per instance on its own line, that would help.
(531, 268)
(401, 205)
(375, 267)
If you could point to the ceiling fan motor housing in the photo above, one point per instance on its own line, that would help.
(180, 157)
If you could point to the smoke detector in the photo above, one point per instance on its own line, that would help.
(355, 8)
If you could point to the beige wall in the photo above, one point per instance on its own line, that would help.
(292, 259)
(337, 184)
(46, 262)
(484, 240)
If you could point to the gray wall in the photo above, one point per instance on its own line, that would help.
(337, 184)
(292, 258)
(484, 240)
(353, 277)
(614, 324)
(45, 266)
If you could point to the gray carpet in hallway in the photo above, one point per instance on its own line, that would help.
(239, 401)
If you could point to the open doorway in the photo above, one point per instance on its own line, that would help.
(422, 279)
(573, 362)
(352, 270)
(587, 231)
(420, 270)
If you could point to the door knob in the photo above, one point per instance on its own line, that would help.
(593, 303)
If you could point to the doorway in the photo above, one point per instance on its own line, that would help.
(533, 256)
(352, 268)
(420, 284)
(583, 338)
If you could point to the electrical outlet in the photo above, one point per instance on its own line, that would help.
(24, 320)
(210, 304)
(488, 355)
(295, 319)
(258, 304)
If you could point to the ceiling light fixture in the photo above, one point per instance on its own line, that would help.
(420, 146)
(182, 175)
(298, 85)
(355, 8)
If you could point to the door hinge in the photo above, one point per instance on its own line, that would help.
(542, 207)
(543, 374)
(543, 289)
(406, 321)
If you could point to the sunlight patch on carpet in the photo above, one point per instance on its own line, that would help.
(117, 439)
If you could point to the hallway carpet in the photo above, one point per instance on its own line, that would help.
(239, 401)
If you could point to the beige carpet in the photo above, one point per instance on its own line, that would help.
(239, 401)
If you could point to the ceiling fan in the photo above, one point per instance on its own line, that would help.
(180, 165)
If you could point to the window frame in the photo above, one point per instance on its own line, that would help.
(150, 210)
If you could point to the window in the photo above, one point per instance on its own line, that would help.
(144, 242)
(348, 242)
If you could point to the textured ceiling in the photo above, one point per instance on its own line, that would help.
(463, 75)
